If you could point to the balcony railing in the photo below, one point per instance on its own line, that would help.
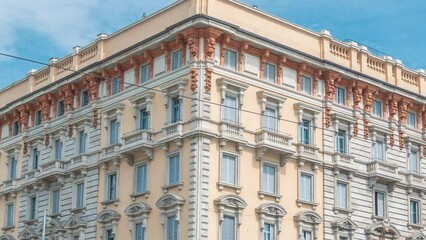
(232, 131)
(138, 136)
(382, 170)
(343, 161)
(415, 180)
(306, 150)
(173, 129)
(274, 140)
(52, 167)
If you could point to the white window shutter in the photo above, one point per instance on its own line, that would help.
(289, 77)
(159, 65)
(251, 64)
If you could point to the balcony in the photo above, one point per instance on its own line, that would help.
(308, 153)
(30, 177)
(111, 150)
(415, 181)
(383, 172)
(172, 130)
(344, 162)
(231, 131)
(275, 141)
(53, 171)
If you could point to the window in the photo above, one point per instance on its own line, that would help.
(55, 202)
(343, 238)
(306, 85)
(10, 213)
(269, 231)
(4, 131)
(341, 143)
(143, 119)
(269, 72)
(269, 178)
(174, 169)
(82, 138)
(306, 235)
(140, 231)
(411, 120)
(228, 228)
(176, 110)
(32, 208)
(84, 98)
(141, 178)
(35, 156)
(111, 186)
(414, 212)
(110, 235)
(340, 96)
(129, 78)
(15, 128)
(145, 73)
(379, 150)
(270, 119)
(414, 162)
(76, 237)
(230, 109)
(342, 195)
(306, 187)
(230, 59)
(113, 134)
(58, 149)
(61, 108)
(79, 203)
(379, 204)
(12, 167)
(38, 118)
(116, 86)
(176, 59)
(229, 169)
(305, 132)
(377, 108)
(172, 228)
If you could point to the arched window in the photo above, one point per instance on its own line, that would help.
(344, 228)
(308, 222)
(6, 237)
(271, 216)
(230, 208)
(170, 206)
(382, 230)
(75, 227)
(138, 219)
(54, 230)
(108, 220)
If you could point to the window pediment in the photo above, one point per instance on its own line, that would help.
(175, 85)
(345, 224)
(74, 222)
(271, 209)
(416, 236)
(265, 97)
(107, 216)
(382, 228)
(137, 209)
(169, 201)
(6, 237)
(308, 217)
(27, 234)
(228, 84)
(231, 201)
(52, 225)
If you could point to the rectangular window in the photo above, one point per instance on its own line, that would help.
(79, 203)
(140, 231)
(174, 169)
(143, 119)
(379, 204)
(129, 78)
(306, 85)
(145, 73)
(269, 231)
(116, 86)
(269, 72)
(4, 131)
(10, 213)
(341, 141)
(230, 59)
(377, 108)
(305, 132)
(230, 109)
(340, 96)
(32, 208)
(228, 228)
(172, 228)
(176, 59)
(113, 132)
(307, 235)
(379, 151)
(12, 168)
(38, 118)
(84, 98)
(58, 149)
(141, 178)
(414, 212)
(82, 138)
(109, 234)
(15, 128)
(269, 178)
(342, 195)
(176, 110)
(270, 119)
(229, 169)
(414, 162)
(411, 120)
(55, 202)
(36, 156)
(306, 187)
(61, 108)
(343, 238)
(111, 186)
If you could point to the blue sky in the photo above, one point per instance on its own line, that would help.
(43, 29)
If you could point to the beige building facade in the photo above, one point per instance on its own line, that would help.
(194, 123)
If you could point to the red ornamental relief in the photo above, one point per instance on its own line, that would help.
(194, 75)
(70, 131)
(403, 111)
(211, 35)
(356, 127)
(424, 151)
(424, 121)
(46, 140)
(392, 138)
(357, 92)
(192, 37)
(327, 117)
(45, 107)
(95, 118)
(92, 83)
(330, 89)
(366, 133)
(25, 149)
(208, 86)
(401, 139)
(68, 98)
(368, 101)
(393, 108)
(24, 116)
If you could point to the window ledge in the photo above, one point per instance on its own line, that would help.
(55, 215)
(12, 227)
(78, 210)
(262, 195)
(177, 185)
(107, 202)
(222, 185)
(415, 226)
(378, 218)
(30, 221)
(301, 202)
(135, 195)
(346, 211)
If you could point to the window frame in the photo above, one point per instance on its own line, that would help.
(76, 196)
(32, 210)
(180, 62)
(300, 187)
(141, 76)
(375, 113)
(60, 108)
(275, 118)
(225, 108)
(107, 196)
(385, 204)
(136, 184)
(338, 97)
(418, 161)
(382, 140)
(82, 98)
(35, 166)
(114, 81)
(110, 133)
(337, 197)
(266, 73)
(276, 177)
(15, 128)
(303, 89)
(12, 167)
(236, 170)
(9, 221)
(52, 203)
(38, 118)
(418, 213)
(179, 180)
(57, 153)
(226, 63)
(228, 215)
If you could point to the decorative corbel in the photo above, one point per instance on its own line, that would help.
(150, 59)
(208, 80)
(243, 48)
(226, 39)
(211, 35)
(300, 70)
(263, 58)
(281, 63)
(166, 50)
(192, 39)
(316, 77)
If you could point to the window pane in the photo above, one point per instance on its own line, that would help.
(10, 215)
(340, 96)
(307, 235)
(176, 110)
(380, 204)
(379, 151)
(305, 132)
(306, 85)
(414, 164)
(113, 132)
(230, 59)
(141, 178)
(116, 85)
(140, 232)
(228, 228)
(269, 231)
(172, 228)
(270, 119)
(229, 166)
(269, 72)
(414, 212)
(411, 120)
(38, 118)
(12, 168)
(174, 168)
(84, 98)
(55, 202)
(342, 195)
(269, 178)
(112, 186)
(341, 141)
(35, 158)
(61, 108)
(230, 109)
(377, 108)
(58, 149)
(145, 73)
(306, 188)
(82, 142)
(176, 59)
(15, 128)
(80, 195)
(144, 119)
(32, 213)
